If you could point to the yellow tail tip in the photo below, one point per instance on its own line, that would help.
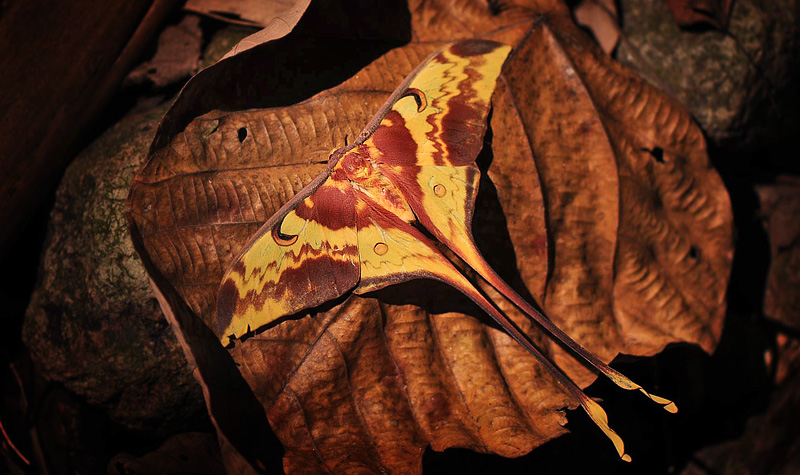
(598, 415)
(668, 405)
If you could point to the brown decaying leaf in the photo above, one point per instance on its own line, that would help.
(597, 200)
(176, 58)
(279, 25)
(259, 13)
(602, 19)
(715, 13)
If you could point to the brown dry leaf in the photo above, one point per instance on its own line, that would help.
(715, 13)
(177, 55)
(278, 27)
(259, 13)
(598, 201)
(602, 19)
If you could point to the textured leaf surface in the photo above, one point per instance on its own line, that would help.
(597, 200)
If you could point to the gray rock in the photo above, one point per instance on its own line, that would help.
(741, 86)
(93, 323)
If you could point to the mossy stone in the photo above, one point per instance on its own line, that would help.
(740, 85)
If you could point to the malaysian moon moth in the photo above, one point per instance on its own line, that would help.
(352, 229)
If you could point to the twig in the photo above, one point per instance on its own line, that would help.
(11, 444)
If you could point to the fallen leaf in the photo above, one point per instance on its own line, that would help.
(597, 200)
(258, 13)
(176, 58)
(278, 26)
(602, 19)
(715, 13)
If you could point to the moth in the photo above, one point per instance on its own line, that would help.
(354, 228)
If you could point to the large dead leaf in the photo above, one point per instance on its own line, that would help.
(598, 201)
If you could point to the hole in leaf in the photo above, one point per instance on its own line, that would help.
(495, 7)
(657, 153)
(228, 15)
(693, 252)
(242, 134)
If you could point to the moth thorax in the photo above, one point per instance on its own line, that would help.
(355, 166)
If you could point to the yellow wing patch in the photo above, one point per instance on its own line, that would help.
(449, 86)
(392, 251)
(390, 254)
(307, 258)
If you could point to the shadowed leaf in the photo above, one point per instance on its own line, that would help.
(267, 14)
